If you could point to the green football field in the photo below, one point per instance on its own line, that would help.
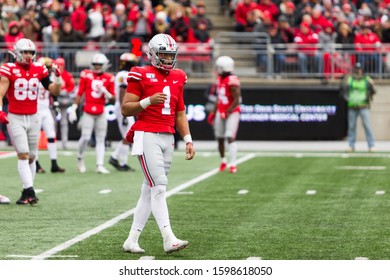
(279, 206)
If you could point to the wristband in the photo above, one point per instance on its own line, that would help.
(187, 139)
(57, 80)
(145, 102)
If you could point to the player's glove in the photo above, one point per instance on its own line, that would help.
(56, 70)
(210, 118)
(72, 114)
(3, 118)
(106, 93)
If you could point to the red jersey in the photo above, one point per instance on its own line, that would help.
(67, 81)
(22, 92)
(90, 82)
(148, 80)
(224, 94)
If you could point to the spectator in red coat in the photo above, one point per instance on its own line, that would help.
(13, 35)
(143, 17)
(181, 30)
(306, 41)
(241, 14)
(319, 22)
(78, 18)
(268, 5)
(366, 45)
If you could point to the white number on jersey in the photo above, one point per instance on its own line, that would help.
(222, 95)
(167, 109)
(24, 89)
(96, 84)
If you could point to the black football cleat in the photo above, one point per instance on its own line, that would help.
(114, 162)
(126, 168)
(57, 169)
(39, 168)
(28, 197)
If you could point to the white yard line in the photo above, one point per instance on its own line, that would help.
(7, 155)
(49, 253)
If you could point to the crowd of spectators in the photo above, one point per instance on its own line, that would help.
(359, 25)
(54, 23)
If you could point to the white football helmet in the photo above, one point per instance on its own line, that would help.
(164, 45)
(100, 59)
(127, 61)
(24, 45)
(224, 64)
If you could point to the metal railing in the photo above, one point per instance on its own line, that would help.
(254, 56)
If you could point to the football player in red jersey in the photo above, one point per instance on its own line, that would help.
(20, 81)
(65, 99)
(98, 87)
(226, 115)
(155, 95)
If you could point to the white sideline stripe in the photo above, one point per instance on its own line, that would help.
(113, 221)
(361, 258)
(147, 258)
(253, 258)
(28, 256)
(105, 191)
(185, 193)
(380, 192)
(243, 192)
(8, 155)
(361, 167)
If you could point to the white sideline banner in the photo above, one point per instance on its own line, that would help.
(199, 270)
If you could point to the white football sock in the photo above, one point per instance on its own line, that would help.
(232, 152)
(166, 232)
(25, 173)
(159, 206)
(124, 153)
(52, 148)
(100, 150)
(33, 169)
(143, 208)
(82, 144)
(115, 154)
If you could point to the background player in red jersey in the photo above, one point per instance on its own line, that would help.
(155, 95)
(226, 115)
(98, 87)
(20, 81)
(65, 99)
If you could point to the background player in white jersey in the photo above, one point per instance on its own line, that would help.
(98, 87)
(120, 156)
(20, 81)
(226, 115)
(155, 95)
(47, 121)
